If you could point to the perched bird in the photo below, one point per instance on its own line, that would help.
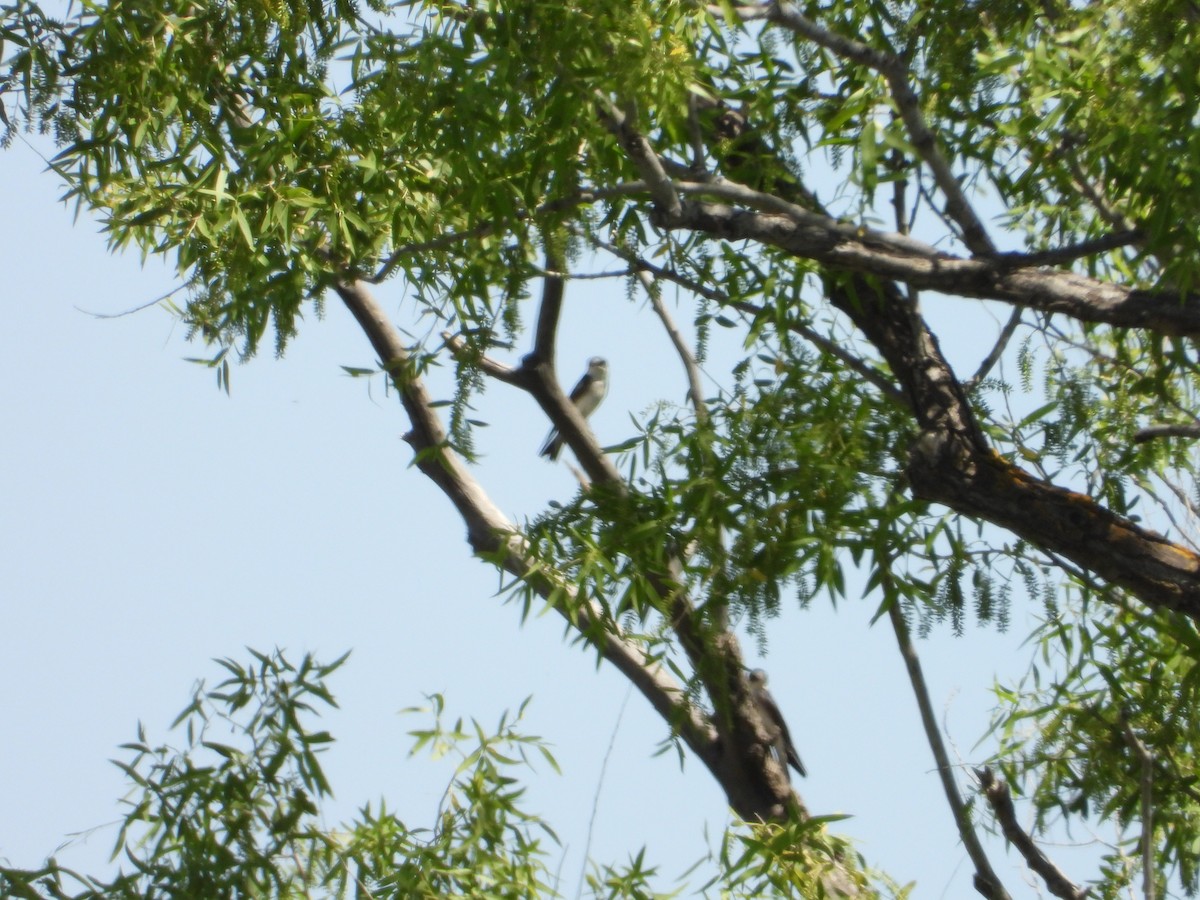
(785, 751)
(586, 396)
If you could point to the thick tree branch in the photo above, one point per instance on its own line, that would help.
(979, 483)
(951, 462)
(1000, 798)
(736, 754)
(735, 745)
(1151, 432)
(1082, 298)
(549, 310)
(759, 200)
(1011, 278)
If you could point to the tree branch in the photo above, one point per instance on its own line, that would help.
(451, 238)
(1006, 333)
(1151, 432)
(980, 483)
(870, 374)
(951, 462)
(1146, 782)
(1059, 256)
(549, 311)
(494, 537)
(986, 881)
(641, 154)
(909, 105)
(1000, 798)
(737, 735)
(690, 367)
(1082, 298)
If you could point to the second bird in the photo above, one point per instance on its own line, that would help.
(784, 749)
(586, 395)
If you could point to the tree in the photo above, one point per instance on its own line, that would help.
(742, 156)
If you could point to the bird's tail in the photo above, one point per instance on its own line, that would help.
(553, 445)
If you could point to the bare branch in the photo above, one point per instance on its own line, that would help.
(695, 135)
(758, 200)
(135, 309)
(1060, 256)
(1000, 798)
(690, 367)
(952, 462)
(986, 880)
(997, 351)
(487, 365)
(899, 195)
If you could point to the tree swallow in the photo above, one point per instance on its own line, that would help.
(586, 396)
(785, 752)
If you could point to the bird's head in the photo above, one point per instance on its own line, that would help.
(757, 678)
(597, 366)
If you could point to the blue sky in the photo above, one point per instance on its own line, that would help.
(151, 523)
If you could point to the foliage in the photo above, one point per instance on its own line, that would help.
(1105, 714)
(241, 817)
(1036, 155)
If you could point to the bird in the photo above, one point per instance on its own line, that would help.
(586, 395)
(785, 751)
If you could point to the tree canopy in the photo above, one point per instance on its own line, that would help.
(805, 176)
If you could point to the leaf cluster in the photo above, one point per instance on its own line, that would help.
(1101, 730)
(241, 817)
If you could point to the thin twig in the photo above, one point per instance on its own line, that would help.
(1146, 758)
(135, 309)
(612, 740)
(450, 238)
(690, 367)
(876, 378)
(986, 881)
(992, 358)
(1185, 500)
